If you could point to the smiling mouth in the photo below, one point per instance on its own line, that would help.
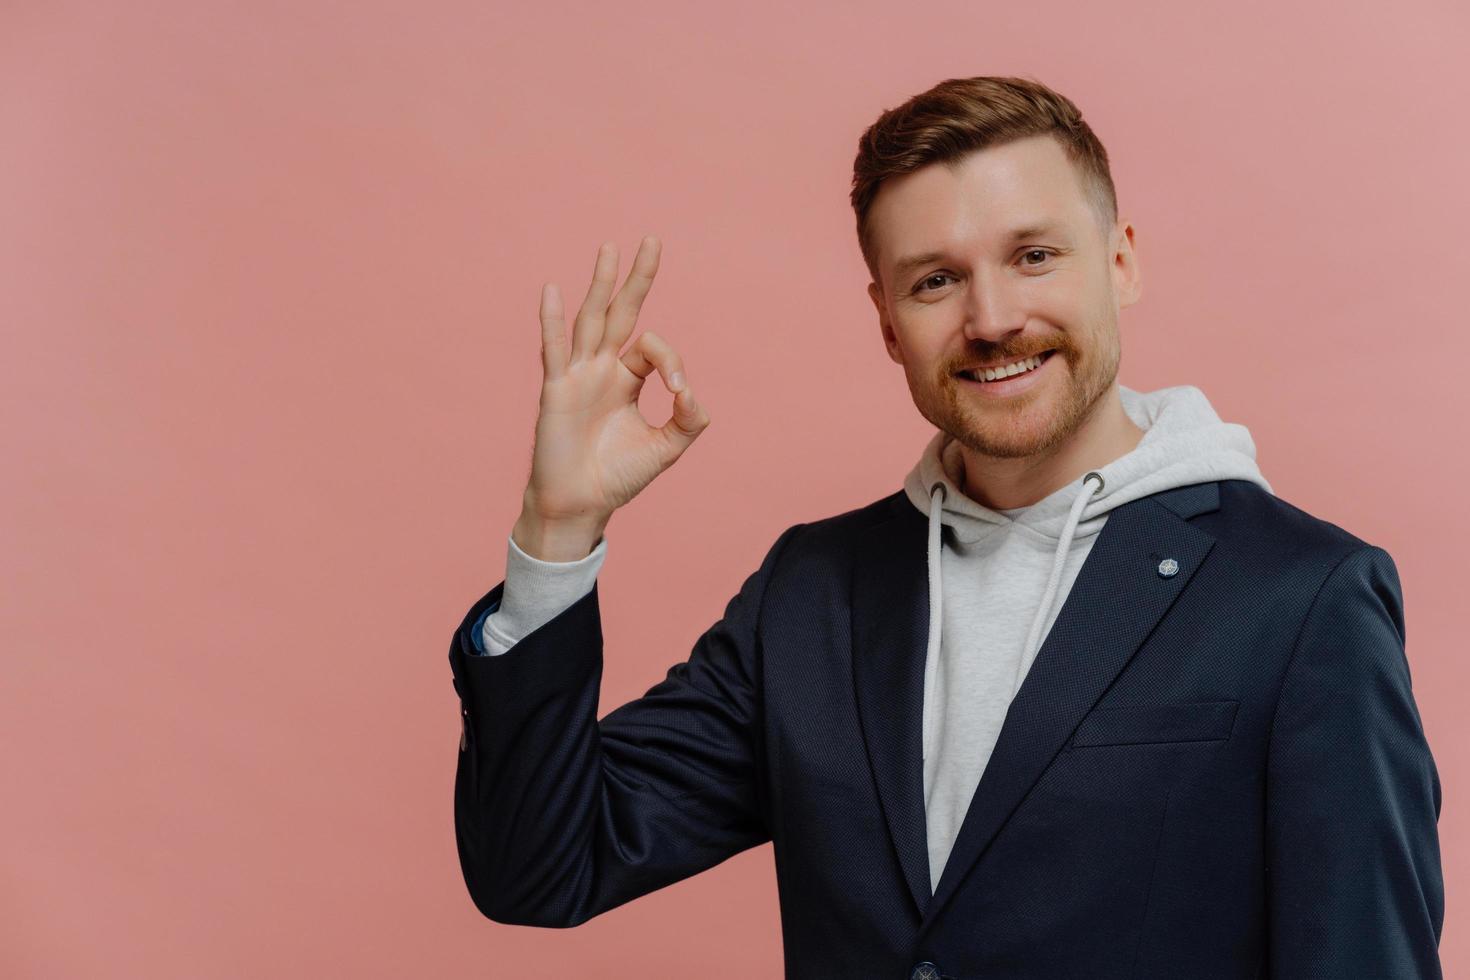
(1013, 370)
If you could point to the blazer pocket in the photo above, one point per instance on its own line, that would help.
(1139, 724)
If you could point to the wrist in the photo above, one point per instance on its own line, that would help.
(559, 540)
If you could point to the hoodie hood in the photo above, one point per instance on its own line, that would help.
(1184, 442)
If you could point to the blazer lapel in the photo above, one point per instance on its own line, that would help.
(890, 629)
(1118, 598)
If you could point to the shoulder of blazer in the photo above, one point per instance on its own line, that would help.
(1262, 536)
(1251, 517)
(842, 529)
(821, 550)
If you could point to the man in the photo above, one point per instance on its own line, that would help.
(1083, 699)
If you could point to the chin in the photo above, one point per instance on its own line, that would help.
(1007, 445)
(1011, 432)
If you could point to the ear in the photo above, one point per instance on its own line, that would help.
(1127, 278)
(890, 341)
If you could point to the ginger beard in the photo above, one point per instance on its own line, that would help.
(1034, 422)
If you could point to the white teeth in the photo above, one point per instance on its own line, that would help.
(995, 374)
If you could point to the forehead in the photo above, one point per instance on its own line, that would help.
(978, 200)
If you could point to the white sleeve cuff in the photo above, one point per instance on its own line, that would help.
(536, 592)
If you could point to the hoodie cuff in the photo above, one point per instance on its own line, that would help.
(535, 593)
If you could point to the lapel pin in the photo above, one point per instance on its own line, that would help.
(1168, 568)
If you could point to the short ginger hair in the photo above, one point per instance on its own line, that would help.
(961, 115)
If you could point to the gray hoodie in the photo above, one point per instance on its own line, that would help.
(997, 580)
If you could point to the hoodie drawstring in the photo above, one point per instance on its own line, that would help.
(1069, 530)
(937, 494)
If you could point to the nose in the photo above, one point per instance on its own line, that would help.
(993, 307)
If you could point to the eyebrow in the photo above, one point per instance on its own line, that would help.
(912, 262)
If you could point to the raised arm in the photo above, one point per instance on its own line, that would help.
(559, 817)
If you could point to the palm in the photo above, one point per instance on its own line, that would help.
(595, 451)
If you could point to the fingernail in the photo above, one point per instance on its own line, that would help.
(676, 380)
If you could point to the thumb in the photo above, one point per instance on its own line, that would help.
(687, 422)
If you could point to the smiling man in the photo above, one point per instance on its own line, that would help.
(1083, 698)
(985, 267)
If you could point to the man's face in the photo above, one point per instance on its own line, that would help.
(1012, 262)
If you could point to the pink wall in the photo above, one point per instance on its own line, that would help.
(269, 275)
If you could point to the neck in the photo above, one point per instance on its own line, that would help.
(1002, 484)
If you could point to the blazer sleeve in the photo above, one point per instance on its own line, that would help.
(560, 816)
(1355, 887)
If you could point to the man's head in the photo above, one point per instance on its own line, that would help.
(988, 220)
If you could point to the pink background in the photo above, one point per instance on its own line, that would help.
(269, 275)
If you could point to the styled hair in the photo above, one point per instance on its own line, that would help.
(961, 115)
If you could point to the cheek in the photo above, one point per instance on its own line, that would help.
(1068, 305)
(922, 334)
(1083, 319)
(1072, 292)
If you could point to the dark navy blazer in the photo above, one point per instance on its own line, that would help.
(1220, 773)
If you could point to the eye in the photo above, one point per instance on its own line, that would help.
(919, 287)
(1035, 251)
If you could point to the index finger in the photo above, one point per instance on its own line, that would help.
(553, 332)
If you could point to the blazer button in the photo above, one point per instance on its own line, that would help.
(925, 971)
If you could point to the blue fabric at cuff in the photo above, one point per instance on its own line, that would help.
(478, 629)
